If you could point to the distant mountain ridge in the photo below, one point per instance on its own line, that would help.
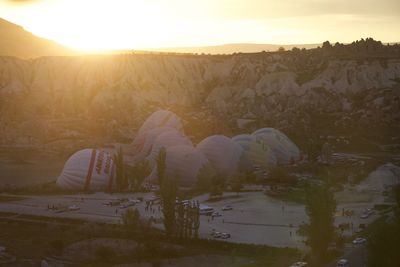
(17, 42)
(234, 48)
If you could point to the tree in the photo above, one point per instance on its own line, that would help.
(217, 186)
(131, 218)
(105, 254)
(169, 191)
(396, 190)
(204, 178)
(383, 246)
(162, 155)
(209, 181)
(137, 173)
(120, 172)
(279, 174)
(237, 183)
(385, 238)
(320, 208)
(281, 49)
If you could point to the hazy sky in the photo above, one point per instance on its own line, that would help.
(124, 24)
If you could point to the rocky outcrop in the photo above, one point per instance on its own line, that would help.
(56, 98)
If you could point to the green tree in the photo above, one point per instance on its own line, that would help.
(131, 219)
(236, 183)
(204, 178)
(121, 180)
(169, 192)
(161, 165)
(383, 246)
(137, 173)
(385, 239)
(320, 208)
(105, 254)
(217, 186)
(396, 190)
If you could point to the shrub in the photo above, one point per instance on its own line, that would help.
(104, 253)
(57, 245)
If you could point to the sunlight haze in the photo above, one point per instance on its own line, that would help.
(141, 24)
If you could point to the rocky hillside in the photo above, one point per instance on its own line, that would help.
(15, 41)
(348, 95)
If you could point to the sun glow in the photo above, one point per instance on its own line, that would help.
(99, 25)
(140, 24)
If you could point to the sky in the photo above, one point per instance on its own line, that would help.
(140, 24)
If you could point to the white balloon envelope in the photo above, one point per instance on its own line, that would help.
(143, 143)
(224, 154)
(88, 170)
(258, 152)
(182, 162)
(166, 140)
(162, 118)
(285, 150)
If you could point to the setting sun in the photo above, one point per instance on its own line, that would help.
(136, 24)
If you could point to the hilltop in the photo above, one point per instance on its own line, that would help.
(17, 42)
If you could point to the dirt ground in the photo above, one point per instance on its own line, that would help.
(22, 168)
(78, 244)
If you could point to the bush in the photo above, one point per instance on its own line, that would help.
(57, 245)
(280, 175)
(104, 253)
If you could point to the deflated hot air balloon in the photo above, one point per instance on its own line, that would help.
(161, 118)
(224, 154)
(183, 162)
(143, 143)
(285, 150)
(258, 152)
(166, 140)
(88, 170)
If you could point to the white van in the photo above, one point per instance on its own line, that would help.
(205, 210)
(342, 263)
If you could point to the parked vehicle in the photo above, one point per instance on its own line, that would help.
(227, 207)
(112, 203)
(359, 241)
(135, 200)
(225, 235)
(74, 207)
(342, 263)
(299, 264)
(216, 214)
(206, 210)
(127, 205)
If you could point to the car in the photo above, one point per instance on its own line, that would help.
(342, 263)
(127, 205)
(227, 207)
(359, 241)
(370, 211)
(74, 207)
(225, 235)
(206, 210)
(135, 200)
(299, 264)
(112, 203)
(216, 214)
(216, 234)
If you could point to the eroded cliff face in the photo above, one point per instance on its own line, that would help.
(73, 101)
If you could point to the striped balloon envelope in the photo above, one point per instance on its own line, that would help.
(88, 170)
